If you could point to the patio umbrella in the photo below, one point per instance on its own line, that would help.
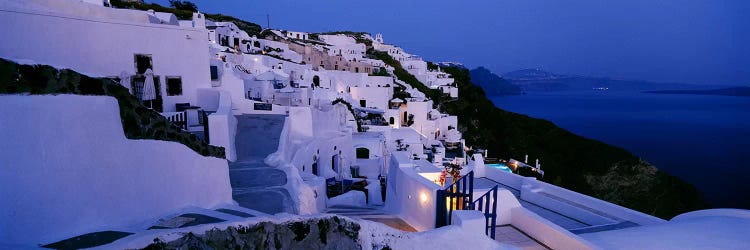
(149, 90)
(125, 81)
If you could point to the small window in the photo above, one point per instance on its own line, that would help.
(214, 73)
(142, 63)
(174, 85)
(363, 103)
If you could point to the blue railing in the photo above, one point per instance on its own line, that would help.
(457, 196)
(490, 211)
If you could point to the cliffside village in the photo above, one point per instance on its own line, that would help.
(310, 123)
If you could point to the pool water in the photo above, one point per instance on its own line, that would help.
(500, 166)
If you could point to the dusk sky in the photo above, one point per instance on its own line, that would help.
(690, 41)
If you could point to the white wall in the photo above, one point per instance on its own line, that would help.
(547, 232)
(410, 195)
(67, 169)
(419, 110)
(222, 125)
(510, 212)
(375, 97)
(98, 46)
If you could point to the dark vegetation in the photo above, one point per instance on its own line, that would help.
(349, 107)
(138, 122)
(183, 5)
(408, 78)
(184, 11)
(570, 161)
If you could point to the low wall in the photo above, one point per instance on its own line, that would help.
(67, 169)
(510, 212)
(300, 141)
(222, 125)
(719, 212)
(537, 192)
(532, 193)
(410, 195)
(532, 187)
(546, 232)
(246, 106)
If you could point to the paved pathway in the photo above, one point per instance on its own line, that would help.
(372, 213)
(256, 185)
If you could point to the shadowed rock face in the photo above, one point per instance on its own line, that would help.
(323, 233)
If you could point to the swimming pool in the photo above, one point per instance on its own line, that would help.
(500, 166)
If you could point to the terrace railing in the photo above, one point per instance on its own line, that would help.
(178, 119)
(487, 204)
(457, 196)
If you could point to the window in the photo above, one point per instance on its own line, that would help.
(142, 63)
(363, 103)
(214, 73)
(363, 153)
(392, 121)
(174, 85)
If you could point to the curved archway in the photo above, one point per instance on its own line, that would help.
(316, 81)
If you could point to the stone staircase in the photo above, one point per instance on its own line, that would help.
(372, 213)
(256, 185)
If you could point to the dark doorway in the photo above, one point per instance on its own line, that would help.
(316, 81)
(334, 162)
(363, 153)
(315, 166)
(137, 83)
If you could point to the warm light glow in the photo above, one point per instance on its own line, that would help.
(423, 197)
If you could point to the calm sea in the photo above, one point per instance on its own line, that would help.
(704, 140)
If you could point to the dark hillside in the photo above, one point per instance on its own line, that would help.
(570, 161)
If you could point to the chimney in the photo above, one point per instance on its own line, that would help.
(526, 159)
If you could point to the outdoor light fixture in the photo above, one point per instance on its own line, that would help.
(423, 197)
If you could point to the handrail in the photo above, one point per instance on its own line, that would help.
(178, 119)
(490, 213)
(241, 68)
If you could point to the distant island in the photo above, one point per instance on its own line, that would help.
(736, 91)
(540, 80)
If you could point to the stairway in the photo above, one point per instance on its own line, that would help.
(371, 213)
(256, 185)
